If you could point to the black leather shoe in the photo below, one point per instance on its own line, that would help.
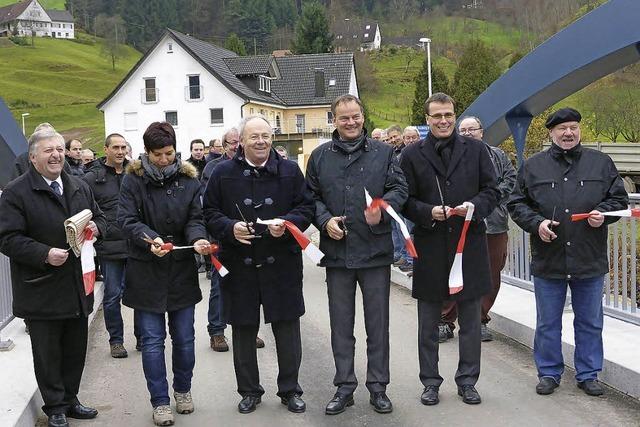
(57, 420)
(381, 403)
(547, 385)
(430, 395)
(294, 403)
(248, 404)
(591, 387)
(81, 412)
(338, 404)
(469, 394)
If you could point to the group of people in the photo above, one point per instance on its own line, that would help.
(213, 207)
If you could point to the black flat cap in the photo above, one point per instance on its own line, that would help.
(563, 115)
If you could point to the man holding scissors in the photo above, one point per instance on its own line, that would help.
(563, 180)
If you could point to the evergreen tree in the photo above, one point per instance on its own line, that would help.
(312, 30)
(252, 21)
(284, 12)
(439, 83)
(478, 68)
(234, 44)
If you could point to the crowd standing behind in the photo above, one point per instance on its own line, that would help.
(212, 200)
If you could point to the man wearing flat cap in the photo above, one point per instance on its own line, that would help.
(552, 185)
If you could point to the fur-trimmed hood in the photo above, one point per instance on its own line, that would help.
(186, 169)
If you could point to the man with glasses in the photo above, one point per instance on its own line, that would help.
(444, 171)
(497, 236)
(265, 261)
(357, 245)
(216, 149)
(563, 180)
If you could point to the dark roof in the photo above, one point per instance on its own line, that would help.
(249, 65)
(348, 30)
(297, 83)
(59, 15)
(10, 12)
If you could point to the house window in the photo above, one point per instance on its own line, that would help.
(170, 48)
(130, 121)
(171, 117)
(194, 91)
(264, 84)
(329, 118)
(217, 117)
(150, 93)
(251, 111)
(300, 123)
(332, 82)
(367, 27)
(278, 121)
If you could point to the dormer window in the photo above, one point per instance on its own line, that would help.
(264, 84)
(368, 27)
(332, 82)
(366, 35)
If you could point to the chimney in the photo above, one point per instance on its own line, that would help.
(319, 80)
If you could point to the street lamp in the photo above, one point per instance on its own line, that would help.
(427, 41)
(23, 116)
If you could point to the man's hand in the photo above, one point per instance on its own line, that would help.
(440, 214)
(460, 211)
(156, 250)
(277, 230)
(94, 228)
(202, 246)
(57, 256)
(243, 232)
(596, 219)
(333, 229)
(372, 215)
(545, 233)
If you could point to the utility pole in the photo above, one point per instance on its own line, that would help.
(255, 48)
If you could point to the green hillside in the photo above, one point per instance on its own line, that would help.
(61, 81)
(47, 4)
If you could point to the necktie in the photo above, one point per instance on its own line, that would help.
(56, 188)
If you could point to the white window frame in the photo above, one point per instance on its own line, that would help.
(264, 83)
(188, 97)
(145, 99)
(132, 123)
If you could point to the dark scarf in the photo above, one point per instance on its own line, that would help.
(160, 175)
(568, 156)
(351, 146)
(444, 147)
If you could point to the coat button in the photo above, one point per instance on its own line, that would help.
(270, 260)
(246, 172)
(566, 179)
(247, 202)
(448, 182)
(169, 220)
(268, 201)
(566, 210)
(248, 261)
(568, 243)
(450, 230)
(348, 187)
(568, 276)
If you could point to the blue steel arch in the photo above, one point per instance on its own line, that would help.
(601, 42)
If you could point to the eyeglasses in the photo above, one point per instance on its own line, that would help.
(469, 130)
(447, 116)
(232, 142)
(264, 137)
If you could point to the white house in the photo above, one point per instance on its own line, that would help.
(203, 89)
(351, 36)
(27, 17)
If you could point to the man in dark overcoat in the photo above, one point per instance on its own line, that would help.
(48, 289)
(265, 262)
(444, 171)
(357, 245)
(552, 185)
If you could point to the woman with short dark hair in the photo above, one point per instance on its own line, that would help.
(160, 201)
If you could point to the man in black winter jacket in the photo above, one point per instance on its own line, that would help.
(104, 176)
(73, 156)
(567, 179)
(357, 245)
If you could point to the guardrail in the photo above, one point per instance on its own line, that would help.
(621, 286)
(6, 312)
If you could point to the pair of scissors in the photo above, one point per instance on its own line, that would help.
(149, 240)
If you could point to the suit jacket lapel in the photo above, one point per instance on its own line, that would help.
(459, 147)
(429, 152)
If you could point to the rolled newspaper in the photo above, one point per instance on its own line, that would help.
(74, 228)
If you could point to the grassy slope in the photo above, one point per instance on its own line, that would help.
(47, 4)
(61, 82)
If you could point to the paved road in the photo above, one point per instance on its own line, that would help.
(117, 387)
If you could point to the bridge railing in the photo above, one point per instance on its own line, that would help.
(6, 312)
(621, 286)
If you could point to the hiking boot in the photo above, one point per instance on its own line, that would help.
(591, 387)
(444, 332)
(219, 343)
(118, 351)
(184, 402)
(259, 342)
(163, 415)
(485, 335)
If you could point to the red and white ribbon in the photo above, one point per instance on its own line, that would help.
(87, 262)
(380, 203)
(222, 270)
(626, 213)
(456, 280)
(309, 249)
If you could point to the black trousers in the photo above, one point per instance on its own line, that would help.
(59, 348)
(245, 360)
(341, 286)
(469, 341)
